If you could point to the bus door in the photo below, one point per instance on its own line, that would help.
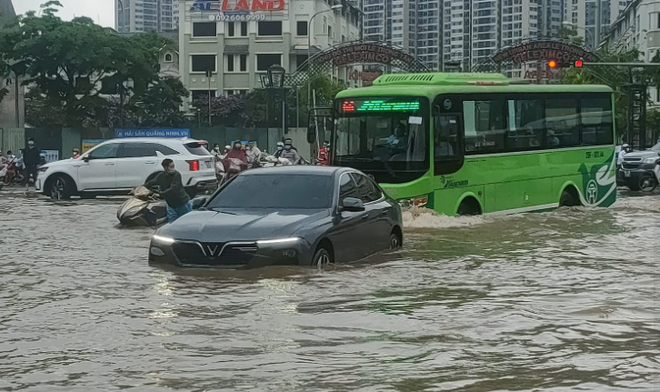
(447, 136)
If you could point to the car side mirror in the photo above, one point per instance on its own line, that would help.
(199, 202)
(86, 159)
(352, 204)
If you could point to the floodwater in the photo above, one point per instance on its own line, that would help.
(559, 301)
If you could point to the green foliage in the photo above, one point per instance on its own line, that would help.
(64, 64)
(569, 35)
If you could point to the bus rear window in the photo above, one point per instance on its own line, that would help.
(196, 149)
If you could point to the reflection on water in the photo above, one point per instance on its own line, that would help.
(556, 301)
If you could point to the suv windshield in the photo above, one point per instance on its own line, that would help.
(280, 191)
(656, 147)
(384, 137)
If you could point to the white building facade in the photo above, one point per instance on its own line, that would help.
(239, 45)
(593, 18)
(135, 16)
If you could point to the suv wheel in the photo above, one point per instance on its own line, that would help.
(60, 189)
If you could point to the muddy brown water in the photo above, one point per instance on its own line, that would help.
(560, 301)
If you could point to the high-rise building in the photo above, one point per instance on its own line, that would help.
(462, 31)
(593, 18)
(134, 16)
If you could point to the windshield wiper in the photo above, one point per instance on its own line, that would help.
(221, 211)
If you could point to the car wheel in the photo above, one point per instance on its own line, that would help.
(60, 189)
(395, 241)
(322, 258)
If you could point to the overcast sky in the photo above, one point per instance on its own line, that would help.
(102, 11)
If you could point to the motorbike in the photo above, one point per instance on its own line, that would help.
(272, 161)
(14, 172)
(142, 209)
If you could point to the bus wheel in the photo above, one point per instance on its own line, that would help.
(469, 207)
(569, 198)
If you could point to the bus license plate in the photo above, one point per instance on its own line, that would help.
(626, 173)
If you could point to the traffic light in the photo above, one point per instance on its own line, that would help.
(578, 64)
(552, 64)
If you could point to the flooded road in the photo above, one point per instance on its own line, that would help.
(559, 301)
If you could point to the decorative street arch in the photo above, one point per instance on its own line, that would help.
(535, 50)
(353, 53)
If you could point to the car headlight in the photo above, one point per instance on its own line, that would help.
(279, 241)
(163, 239)
(649, 160)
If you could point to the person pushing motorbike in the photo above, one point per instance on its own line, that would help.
(31, 160)
(170, 187)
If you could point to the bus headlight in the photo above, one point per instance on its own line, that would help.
(415, 202)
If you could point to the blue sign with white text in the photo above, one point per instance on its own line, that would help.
(173, 133)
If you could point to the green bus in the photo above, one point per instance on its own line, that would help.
(467, 144)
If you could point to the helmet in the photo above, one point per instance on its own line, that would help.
(625, 146)
(227, 147)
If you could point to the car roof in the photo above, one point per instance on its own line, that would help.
(293, 170)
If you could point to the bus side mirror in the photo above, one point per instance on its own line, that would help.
(311, 132)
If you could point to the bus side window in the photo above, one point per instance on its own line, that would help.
(446, 130)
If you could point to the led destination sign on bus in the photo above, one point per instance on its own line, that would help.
(379, 105)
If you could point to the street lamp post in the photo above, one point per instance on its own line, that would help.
(209, 73)
(309, 47)
(276, 80)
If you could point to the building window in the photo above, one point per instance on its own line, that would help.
(235, 92)
(169, 58)
(205, 29)
(243, 63)
(230, 63)
(301, 29)
(203, 62)
(244, 29)
(269, 29)
(265, 61)
(231, 29)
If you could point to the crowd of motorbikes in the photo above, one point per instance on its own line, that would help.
(12, 170)
(143, 209)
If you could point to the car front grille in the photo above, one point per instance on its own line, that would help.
(214, 253)
(631, 165)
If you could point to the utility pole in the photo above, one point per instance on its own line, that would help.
(599, 16)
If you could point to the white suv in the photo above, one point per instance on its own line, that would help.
(118, 165)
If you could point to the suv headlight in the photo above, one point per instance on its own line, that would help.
(649, 160)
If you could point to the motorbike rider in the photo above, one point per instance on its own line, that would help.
(76, 153)
(236, 159)
(170, 187)
(625, 149)
(216, 150)
(324, 154)
(280, 149)
(31, 160)
(290, 153)
(253, 154)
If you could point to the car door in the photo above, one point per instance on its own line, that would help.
(377, 225)
(348, 234)
(138, 161)
(97, 168)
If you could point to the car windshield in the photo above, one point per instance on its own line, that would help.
(279, 191)
(384, 137)
(656, 147)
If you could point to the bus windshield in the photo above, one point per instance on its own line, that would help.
(385, 137)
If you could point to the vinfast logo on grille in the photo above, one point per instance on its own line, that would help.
(238, 5)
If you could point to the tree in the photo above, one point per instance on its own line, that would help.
(70, 64)
(160, 104)
(569, 35)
